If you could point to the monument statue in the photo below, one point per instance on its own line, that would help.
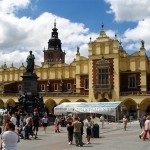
(30, 63)
(30, 99)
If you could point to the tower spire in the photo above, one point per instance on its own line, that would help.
(102, 26)
(55, 23)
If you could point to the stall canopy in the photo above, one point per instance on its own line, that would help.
(107, 108)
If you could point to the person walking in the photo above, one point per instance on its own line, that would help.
(146, 127)
(36, 120)
(70, 129)
(9, 138)
(142, 121)
(57, 123)
(45, 122)
(88, 125)
(142, 124)
(125, 121)
(102, 120)
(77, 132)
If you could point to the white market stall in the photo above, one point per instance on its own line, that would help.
(107, 108)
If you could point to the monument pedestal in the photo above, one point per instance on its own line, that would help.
(29, 99)
(29, 83)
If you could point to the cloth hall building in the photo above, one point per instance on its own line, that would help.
(108, 74)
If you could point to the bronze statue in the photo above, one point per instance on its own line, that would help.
(30, 62)
(142, 43)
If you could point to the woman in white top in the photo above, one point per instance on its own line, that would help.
(45, 122)
(125, 121)
(102, 119)
(88, 125)
(13, 119)
(10, 138)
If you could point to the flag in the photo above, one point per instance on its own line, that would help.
(48, 83)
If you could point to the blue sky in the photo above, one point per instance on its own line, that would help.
(90, 12)
(27, 25)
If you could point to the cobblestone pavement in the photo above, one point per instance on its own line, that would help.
(112, 137)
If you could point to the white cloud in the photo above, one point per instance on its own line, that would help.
(133, 11)
(20, 35)
(10, 6)
(110, 33)
(140, 32)
(129, 10)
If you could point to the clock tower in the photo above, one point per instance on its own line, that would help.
(54, 54)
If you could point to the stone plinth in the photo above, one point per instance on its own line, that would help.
(29, 83)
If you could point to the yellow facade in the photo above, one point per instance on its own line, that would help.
(102, 53)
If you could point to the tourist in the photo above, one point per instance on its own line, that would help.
(125, 121)
(77, 131)
(6, 119)
(102, 120)
(45, 122)
(13, 119)
(88, 125)
(146, 127)
(57, 123)
(142, 124)
(36, 121)
(70, 129)
(9, 138)
(142, 121)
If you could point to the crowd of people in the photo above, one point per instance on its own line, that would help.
(27, 126)
(22, 126)
(17, 126)
(75, 127)
(145, 125)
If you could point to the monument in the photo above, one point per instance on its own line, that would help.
(30, 99)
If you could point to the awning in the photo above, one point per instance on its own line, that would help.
(107, 108)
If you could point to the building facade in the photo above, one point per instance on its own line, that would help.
(108, 74)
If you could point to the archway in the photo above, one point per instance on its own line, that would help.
(64, 100)
(145, 106)
(129, 108)
(148, 110)
(81, 100)
(50, 104)
(103, 100)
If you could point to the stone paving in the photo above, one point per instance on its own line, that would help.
(112, 137)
